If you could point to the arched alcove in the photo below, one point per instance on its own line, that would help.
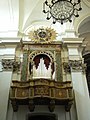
(41, 116)
(84, 26)
(42, 66)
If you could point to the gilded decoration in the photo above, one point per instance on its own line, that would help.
(22, 93)
(43, 35)
(35, 53)
(42, 92)
(35, 90)
(60, 93)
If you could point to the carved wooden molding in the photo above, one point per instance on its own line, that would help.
(14, 105)
(42, 92)
(68, 106)
(31, 105)
(51, 105)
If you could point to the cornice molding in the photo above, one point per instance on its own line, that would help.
(73, 40)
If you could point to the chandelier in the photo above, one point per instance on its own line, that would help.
(61, 10)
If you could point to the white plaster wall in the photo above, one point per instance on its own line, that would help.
(5, 80)
(6, 111)
(73, 51)
(81, 96)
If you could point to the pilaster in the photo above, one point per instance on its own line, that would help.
(78, 75)
(7, 53)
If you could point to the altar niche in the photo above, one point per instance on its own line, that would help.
(41, 116)
(42, 66)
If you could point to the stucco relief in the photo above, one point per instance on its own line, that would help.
(66, 67)
(7, 64)
(75, 65)
(10, 64)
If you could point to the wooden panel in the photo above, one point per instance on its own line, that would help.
(40, 91)
(22, 93)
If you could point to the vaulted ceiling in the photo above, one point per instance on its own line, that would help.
(19, 16)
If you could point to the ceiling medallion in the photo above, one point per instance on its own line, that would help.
(61, 10)
(42, 35)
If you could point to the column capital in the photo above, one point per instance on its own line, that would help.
(77, 65)
(74, 65)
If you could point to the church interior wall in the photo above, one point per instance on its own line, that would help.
(6, 109)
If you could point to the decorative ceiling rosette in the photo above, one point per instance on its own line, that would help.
(42, 35)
